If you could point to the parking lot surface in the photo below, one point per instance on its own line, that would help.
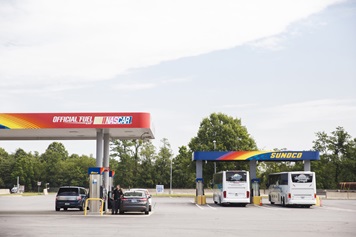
(36, 216)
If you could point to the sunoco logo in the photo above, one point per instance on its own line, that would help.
(292, 155)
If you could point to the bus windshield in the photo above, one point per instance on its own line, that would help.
(235, 176)
(302, 178)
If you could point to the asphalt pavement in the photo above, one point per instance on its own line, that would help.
(35, 216)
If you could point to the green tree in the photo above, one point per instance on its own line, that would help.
(26, 168)
(163, 164)
(337, 159)
(75, 170)
(52, 168)
(123, 151)
(83, 163)
(228, 134)
(146, 172)
(184, 169)
(6, 167)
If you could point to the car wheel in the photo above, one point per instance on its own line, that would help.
(121, 212)
(81, 208)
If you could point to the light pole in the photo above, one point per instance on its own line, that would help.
(214, 162)
(170, 183)
(38, 186)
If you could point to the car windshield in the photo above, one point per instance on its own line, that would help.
(68, 192)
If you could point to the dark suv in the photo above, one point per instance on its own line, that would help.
(71, 197)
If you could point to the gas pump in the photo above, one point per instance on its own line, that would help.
(255, 187)
(111, 186)
(255, 192)
(95, 188)
(111, 179)
(200, 196)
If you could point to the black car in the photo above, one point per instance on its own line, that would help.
(134, 201)
(71, 197)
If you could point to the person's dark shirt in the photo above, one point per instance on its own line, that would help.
(117, 193)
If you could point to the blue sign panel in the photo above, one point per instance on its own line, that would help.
(256, 155)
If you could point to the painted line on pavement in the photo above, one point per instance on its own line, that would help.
(214, 208)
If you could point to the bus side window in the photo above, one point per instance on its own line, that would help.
(284, 179)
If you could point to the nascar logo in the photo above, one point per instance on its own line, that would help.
(113, 120)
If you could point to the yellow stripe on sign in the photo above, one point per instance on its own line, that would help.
(98, 120)
(248, 155)
(13, 122)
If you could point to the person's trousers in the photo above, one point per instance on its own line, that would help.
(115, 206)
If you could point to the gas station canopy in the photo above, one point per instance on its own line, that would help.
(256, 155)
(74, 126)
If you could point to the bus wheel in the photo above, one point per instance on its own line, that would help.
(270, 200)
(214, 199)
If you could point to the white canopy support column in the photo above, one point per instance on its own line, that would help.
(253, 168)
(307, 165)
(253, 175)
(199, 176)
(99, 148)
(106, 165)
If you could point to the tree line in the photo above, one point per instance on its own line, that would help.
(139, 163)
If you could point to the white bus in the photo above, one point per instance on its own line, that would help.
(231, 187)
(292, 188)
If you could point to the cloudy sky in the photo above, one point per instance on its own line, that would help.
(286, 68)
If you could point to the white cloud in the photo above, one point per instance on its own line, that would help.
(318, 111)
(176, 80)
(95, 40)
(234, 106)
(271, 43)
(134, 86)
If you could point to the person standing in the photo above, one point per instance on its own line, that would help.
(116, 196)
